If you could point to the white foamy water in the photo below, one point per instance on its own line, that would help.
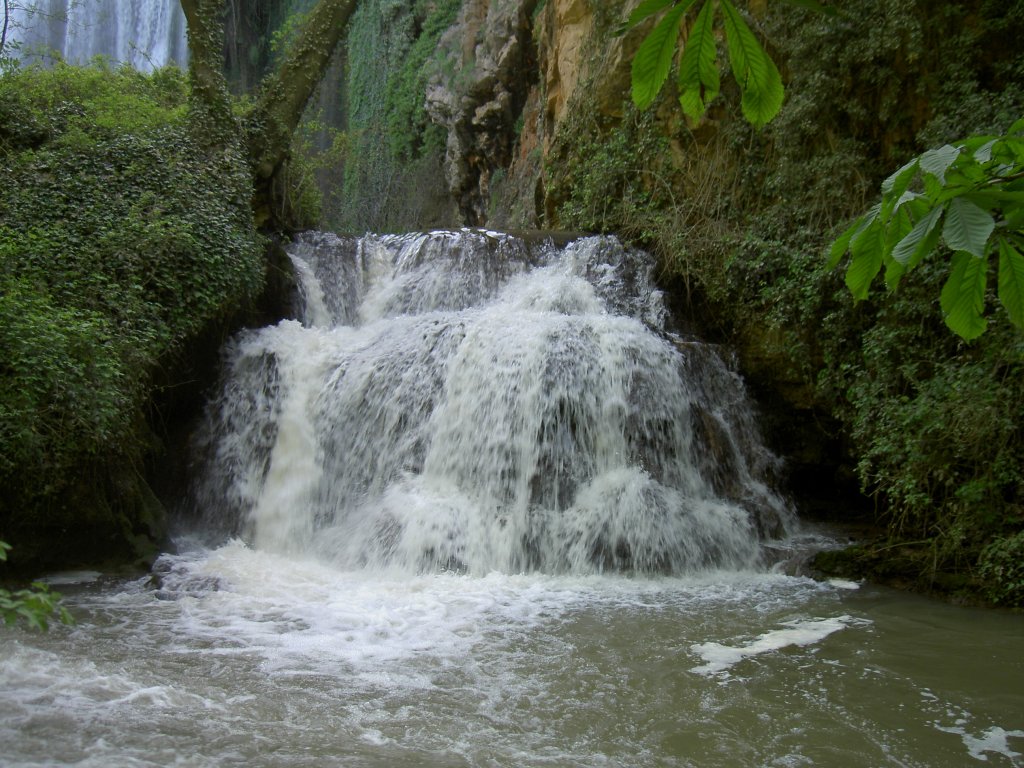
(718, 658)
(143, 33)
(470, 401)
(993, 743)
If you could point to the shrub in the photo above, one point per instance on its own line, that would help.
(119, 242)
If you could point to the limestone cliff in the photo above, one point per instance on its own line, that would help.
(487, 68)
(516, 75)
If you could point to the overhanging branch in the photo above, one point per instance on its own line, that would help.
(284, 93)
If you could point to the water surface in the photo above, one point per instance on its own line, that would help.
(247, 658)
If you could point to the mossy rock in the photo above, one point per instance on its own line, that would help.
(909, 566)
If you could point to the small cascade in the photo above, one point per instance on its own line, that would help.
(474, 401)
(143, 33)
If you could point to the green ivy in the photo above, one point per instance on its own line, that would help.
(394, 152)
(120, 241)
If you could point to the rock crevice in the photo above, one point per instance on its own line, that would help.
(487, 65)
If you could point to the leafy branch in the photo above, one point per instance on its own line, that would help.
(34, 606)
(698, 78)
(967, 196)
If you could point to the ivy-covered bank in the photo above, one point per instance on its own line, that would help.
(123, 246)
(926, 426)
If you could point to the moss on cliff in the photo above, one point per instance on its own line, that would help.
(393, 176)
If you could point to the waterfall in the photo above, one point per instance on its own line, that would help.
(143, 33)
(475, 401)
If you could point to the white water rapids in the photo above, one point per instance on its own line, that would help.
(478, 507)
(471, 401)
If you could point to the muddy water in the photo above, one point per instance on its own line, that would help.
(245, 658)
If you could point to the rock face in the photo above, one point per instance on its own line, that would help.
(565, 30)
(490, 61)
(511, 74)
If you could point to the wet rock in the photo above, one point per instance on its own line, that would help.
(492, 54)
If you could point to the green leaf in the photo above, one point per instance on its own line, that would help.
(653, 60)
(937, 161)
(894, 271)
(963, 296)
(896, 228)
(983, 153)
(911, 249)
(899, 227)
(898, 182)
(867, 249)
(645, 9)
(998, 196)
(967, 227)
(1011, 282)
(698, 72)
(842, 243)
(911, 200)
(754, 70)
(1014, 218)
(973, 143)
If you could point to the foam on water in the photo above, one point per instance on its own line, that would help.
(469, 401)
(994, 741)
(302, 616)
(719, 658)
(982, 743)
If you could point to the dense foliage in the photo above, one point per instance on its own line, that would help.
(120, 241)
(743, 221)
(393, 178)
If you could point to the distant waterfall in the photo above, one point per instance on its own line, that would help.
(471, 401)
(143, 33)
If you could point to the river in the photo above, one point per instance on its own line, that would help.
(481, 502)
(246, 658)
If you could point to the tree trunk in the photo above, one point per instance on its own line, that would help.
(282, 95)
(210, 101)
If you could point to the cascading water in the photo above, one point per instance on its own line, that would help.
(472, 401)
(143, 33)
(419, 490)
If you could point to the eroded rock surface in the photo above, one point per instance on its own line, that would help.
(488, 65)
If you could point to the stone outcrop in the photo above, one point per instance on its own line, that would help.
(511, 73)
(478, 93)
